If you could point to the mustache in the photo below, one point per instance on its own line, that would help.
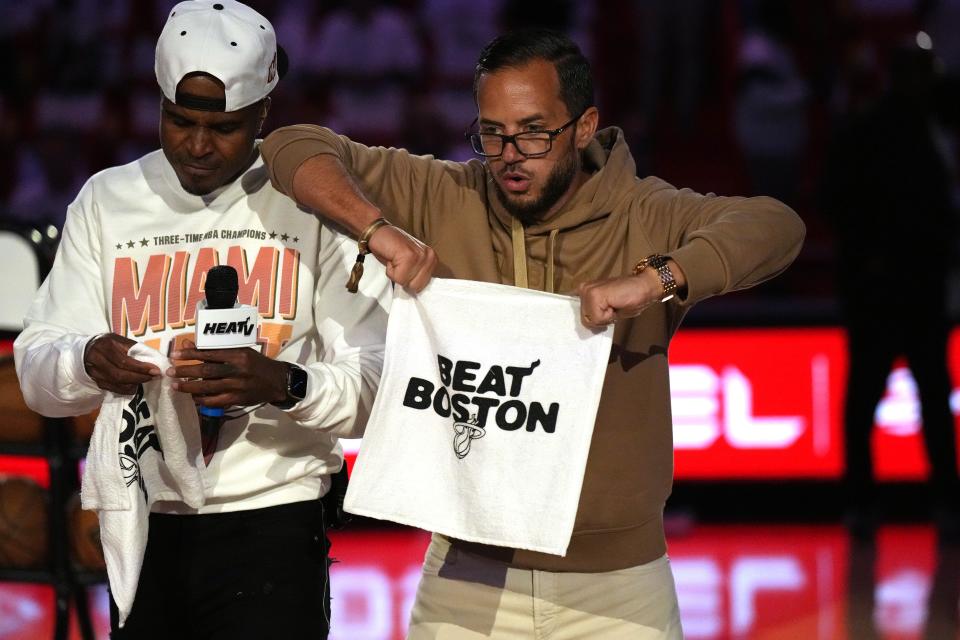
(199, 165)
(514, 171)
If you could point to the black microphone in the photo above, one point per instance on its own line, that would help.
(220, 290)
(221, 323)
(221, 287)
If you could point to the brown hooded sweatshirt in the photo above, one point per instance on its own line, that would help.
(613, 221)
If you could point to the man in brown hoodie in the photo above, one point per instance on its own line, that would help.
(555, 205)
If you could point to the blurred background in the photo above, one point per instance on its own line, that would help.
(847, 110)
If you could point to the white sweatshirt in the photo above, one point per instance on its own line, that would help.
(132, 260)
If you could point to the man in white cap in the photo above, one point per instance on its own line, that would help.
(131, 266)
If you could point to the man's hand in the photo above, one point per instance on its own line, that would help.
(107, 363)
(410, 263)
(603, 302)
(226, 377)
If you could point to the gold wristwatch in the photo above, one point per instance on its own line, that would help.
(659, 263)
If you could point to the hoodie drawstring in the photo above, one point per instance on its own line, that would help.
(520, 256)
(550, 243)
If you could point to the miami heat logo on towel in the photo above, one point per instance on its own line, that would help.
(139, 435)
(464, 433)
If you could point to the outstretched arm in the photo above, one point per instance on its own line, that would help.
(715, 245)
(603, 302)
(353, 185)
(323, 184)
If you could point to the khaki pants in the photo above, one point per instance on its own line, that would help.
(463, 596)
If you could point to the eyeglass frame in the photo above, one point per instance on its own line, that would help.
(552, 134)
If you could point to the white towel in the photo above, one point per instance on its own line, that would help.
(484, 416)
(144, 448)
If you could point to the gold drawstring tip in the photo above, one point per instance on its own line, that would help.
(355, 274)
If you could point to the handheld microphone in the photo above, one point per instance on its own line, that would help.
(221, 323)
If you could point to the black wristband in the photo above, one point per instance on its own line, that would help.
(296, 387)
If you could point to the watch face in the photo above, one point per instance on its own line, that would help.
(297, 386)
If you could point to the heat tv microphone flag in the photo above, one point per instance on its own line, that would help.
(221, 324)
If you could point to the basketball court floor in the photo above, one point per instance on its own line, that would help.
(737, 581)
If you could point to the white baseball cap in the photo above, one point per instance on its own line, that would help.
(223, 38)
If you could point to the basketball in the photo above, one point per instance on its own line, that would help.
(85, 549)
(23, 524)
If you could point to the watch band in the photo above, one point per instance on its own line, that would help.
(659, 262)
(296, 387)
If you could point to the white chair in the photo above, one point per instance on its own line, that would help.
(19, 277)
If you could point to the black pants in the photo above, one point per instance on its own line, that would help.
(873, 346)
(260, 574)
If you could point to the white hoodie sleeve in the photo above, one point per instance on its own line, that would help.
(352, 328)
(68, 311)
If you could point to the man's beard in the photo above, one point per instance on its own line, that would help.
(557, 184)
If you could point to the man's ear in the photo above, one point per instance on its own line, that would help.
(264, 110)
(587, 127)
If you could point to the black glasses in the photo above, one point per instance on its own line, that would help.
(531, 144)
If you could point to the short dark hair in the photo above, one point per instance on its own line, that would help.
(517, 48)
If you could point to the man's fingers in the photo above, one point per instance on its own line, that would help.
(205, 370)
(108, 376)
(230, 377)
(206, 355)
(208, 393)
(410, 263)
(124, 376)
(120, 362)
(110, 352)
(597, 320)
(417, 284)
(222, 400)
(430, 263)
(416, 275)
(126, 363)
(116, 380)
(400, 273)
(593, 316)
(603, 302)
(595, 312)
(206, 387)
(422, 277)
